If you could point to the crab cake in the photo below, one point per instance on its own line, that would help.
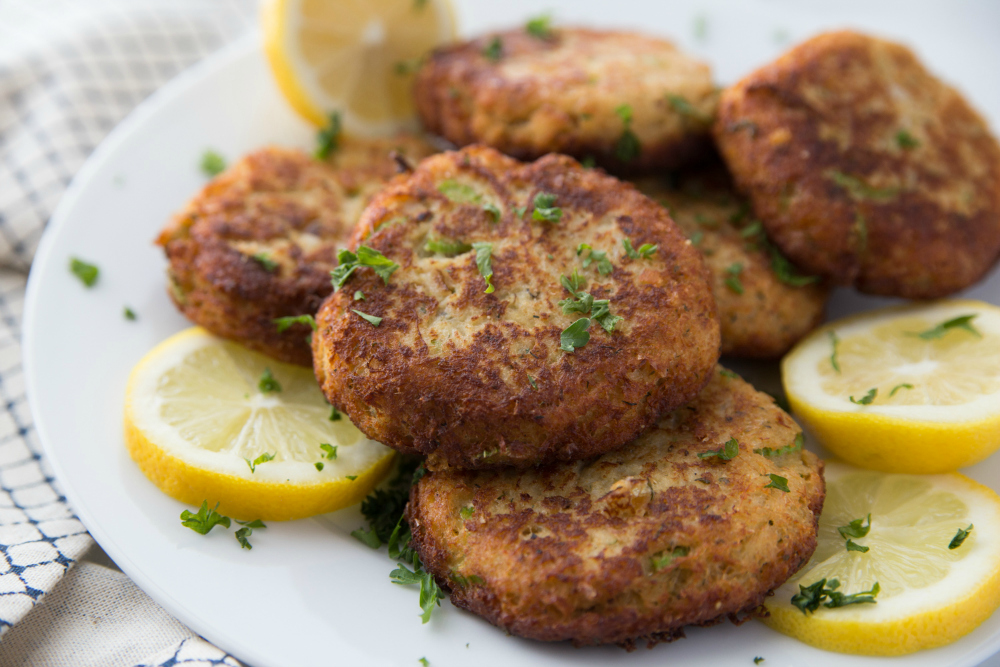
(259, 241)
(676, 529)
(629, 101)
(765, 304)
(510, 325)
(865, 168)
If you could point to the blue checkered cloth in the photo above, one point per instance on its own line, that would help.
(70, 70)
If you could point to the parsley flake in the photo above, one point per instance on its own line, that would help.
(682, 106)
(757, 660)
(319, 465)
(328, 138)
(584, 303)
(905, 385)
(408, 66)
(424, 662)
(367, 536)
(460, 193)
(348, 261)
(87, 273)
(467, 512)
(212, 164)
(575, 335)
(371, 319)
(775, 452)
(484, 251)
(604, 265)
(733, 281)
(446, 247)
(531, 381)
(662, 561)
(265, 261)
(856, 528)
(906, 141)
(727, 452)
(777, 482)
(835, 343)
(267, 383)
(574, 283)
(351, 477)
(627, 148)
(645, 251)
(493, 51)
(493, 210)
(430, 592)
(545, 208)
(859, 189)
(359, 295)
(263, 458)
(809, 598)
(129, 314)
(329, 451)
(246, 531)
(960, 537)
(852, 546)
(961, 322)
(867, 399)
(539, 27)
(285, 322)
(334, 414)
(205, 520)
(726, 373)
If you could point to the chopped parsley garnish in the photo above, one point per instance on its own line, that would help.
(906, 141)
(600, 257)
(852, 546)
(351, 477)
(775, 452)
(129, 314)
(858, 189)
(265, 261)
(727, 452)
(367, 536)
(263, 458)
(430, 592)
(726, 373)
(246, 531)
(493, 51)
(446, 247)
(212, 163)
(809, 598)
(493, 210)
(575, 335)
(645, 251)
(540, 26)
(685, 108)
(205, 520)
(757, 660)
(359, 295)
(733, 281)
(545, 208)
(329, 451)
(867, 399)
(748, 125)
(328, 138)
(627, 148)
(700, 27)
(267, 383)
(662, 561)
(87, 273)
(408, 66)
(777, 482)
(334, 414)
(696, 238)
(484, 252)
(424, 662)
(460, 193)
(574, 283)
(856, 528)
(371, 319)
(531, 381)
(835, 343)
(285, 322)
(584, 303)
(319, 465)
(467, 512)
(960, 537)
(786, 271)
(519, 211)
(905, 385)
(962, 322)
(348, 261)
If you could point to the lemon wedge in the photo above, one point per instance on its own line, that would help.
(928, 593)
(908, 389)
(207, 419)
(353, 57)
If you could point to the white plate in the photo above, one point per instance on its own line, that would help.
(308, 593)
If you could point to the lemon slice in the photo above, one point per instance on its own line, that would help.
(196, 411)
(930, 595)
(354, 57)
(924, 379)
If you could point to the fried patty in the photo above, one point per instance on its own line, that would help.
(477, 378)
(259, 241)
(571, 92)
(637, 543)
(865, 168)
(765, 304)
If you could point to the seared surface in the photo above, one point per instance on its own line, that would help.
(293, 209)
(560, 94)
(865, 168)
(582, 551)
(762, 312)
(475, 379)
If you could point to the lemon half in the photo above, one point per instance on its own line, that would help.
(196, 413)
(930, 594)
(355, 56)
(925, 390)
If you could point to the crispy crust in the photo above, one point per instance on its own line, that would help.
(928, 223)
(566, 551)
(560, 95)
(478, 380)
(769, 316)
(293, 208)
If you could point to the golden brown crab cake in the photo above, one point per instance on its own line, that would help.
(637, 543)
(476, 372)
(260, 240)
(629, 101)
(765, 304)
(865, 168)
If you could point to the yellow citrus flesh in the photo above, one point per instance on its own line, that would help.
(930, 595)
(355, 56)
(195, 413)
(936, 406)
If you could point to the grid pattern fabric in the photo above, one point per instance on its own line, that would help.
(70, 70)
